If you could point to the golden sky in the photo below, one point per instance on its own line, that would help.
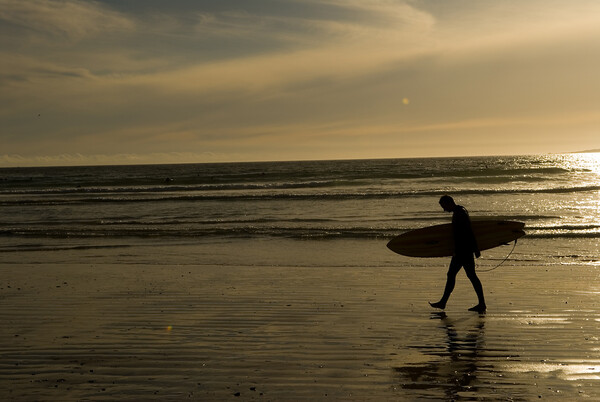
(123, 81)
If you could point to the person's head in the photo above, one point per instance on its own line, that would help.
(447, 203)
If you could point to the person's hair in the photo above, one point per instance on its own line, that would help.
(446, 199)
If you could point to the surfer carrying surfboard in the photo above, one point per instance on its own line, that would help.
(465, 246)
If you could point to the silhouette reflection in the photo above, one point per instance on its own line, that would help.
(455, 370)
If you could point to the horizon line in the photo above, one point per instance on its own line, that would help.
(57, 163)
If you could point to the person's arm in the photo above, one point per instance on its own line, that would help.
(472, 238)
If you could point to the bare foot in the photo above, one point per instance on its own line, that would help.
(480, 308)
(440, 305)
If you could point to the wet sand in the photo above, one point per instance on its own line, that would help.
(144, 332)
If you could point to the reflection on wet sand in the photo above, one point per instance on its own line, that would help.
(456, 364)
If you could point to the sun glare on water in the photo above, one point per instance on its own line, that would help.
(590, 162)
(575, 198)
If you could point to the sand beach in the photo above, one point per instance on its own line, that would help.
(154, 332)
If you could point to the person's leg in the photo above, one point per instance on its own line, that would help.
(455, 265)
(469, 265)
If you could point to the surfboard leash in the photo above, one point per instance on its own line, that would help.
(503, 261)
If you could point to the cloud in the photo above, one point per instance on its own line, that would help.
(64, 19)
(23, 68)
(321, 22)
(473, 30)
(46, 40)
(351, 39)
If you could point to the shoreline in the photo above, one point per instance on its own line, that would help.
(164, 332)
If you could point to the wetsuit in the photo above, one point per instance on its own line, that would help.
(465, 245)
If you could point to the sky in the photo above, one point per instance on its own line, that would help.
(122, 81)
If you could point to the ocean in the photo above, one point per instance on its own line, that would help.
(307, 213)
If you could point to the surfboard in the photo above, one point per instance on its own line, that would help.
(436, 241)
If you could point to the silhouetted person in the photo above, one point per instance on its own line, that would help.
(465, 245)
